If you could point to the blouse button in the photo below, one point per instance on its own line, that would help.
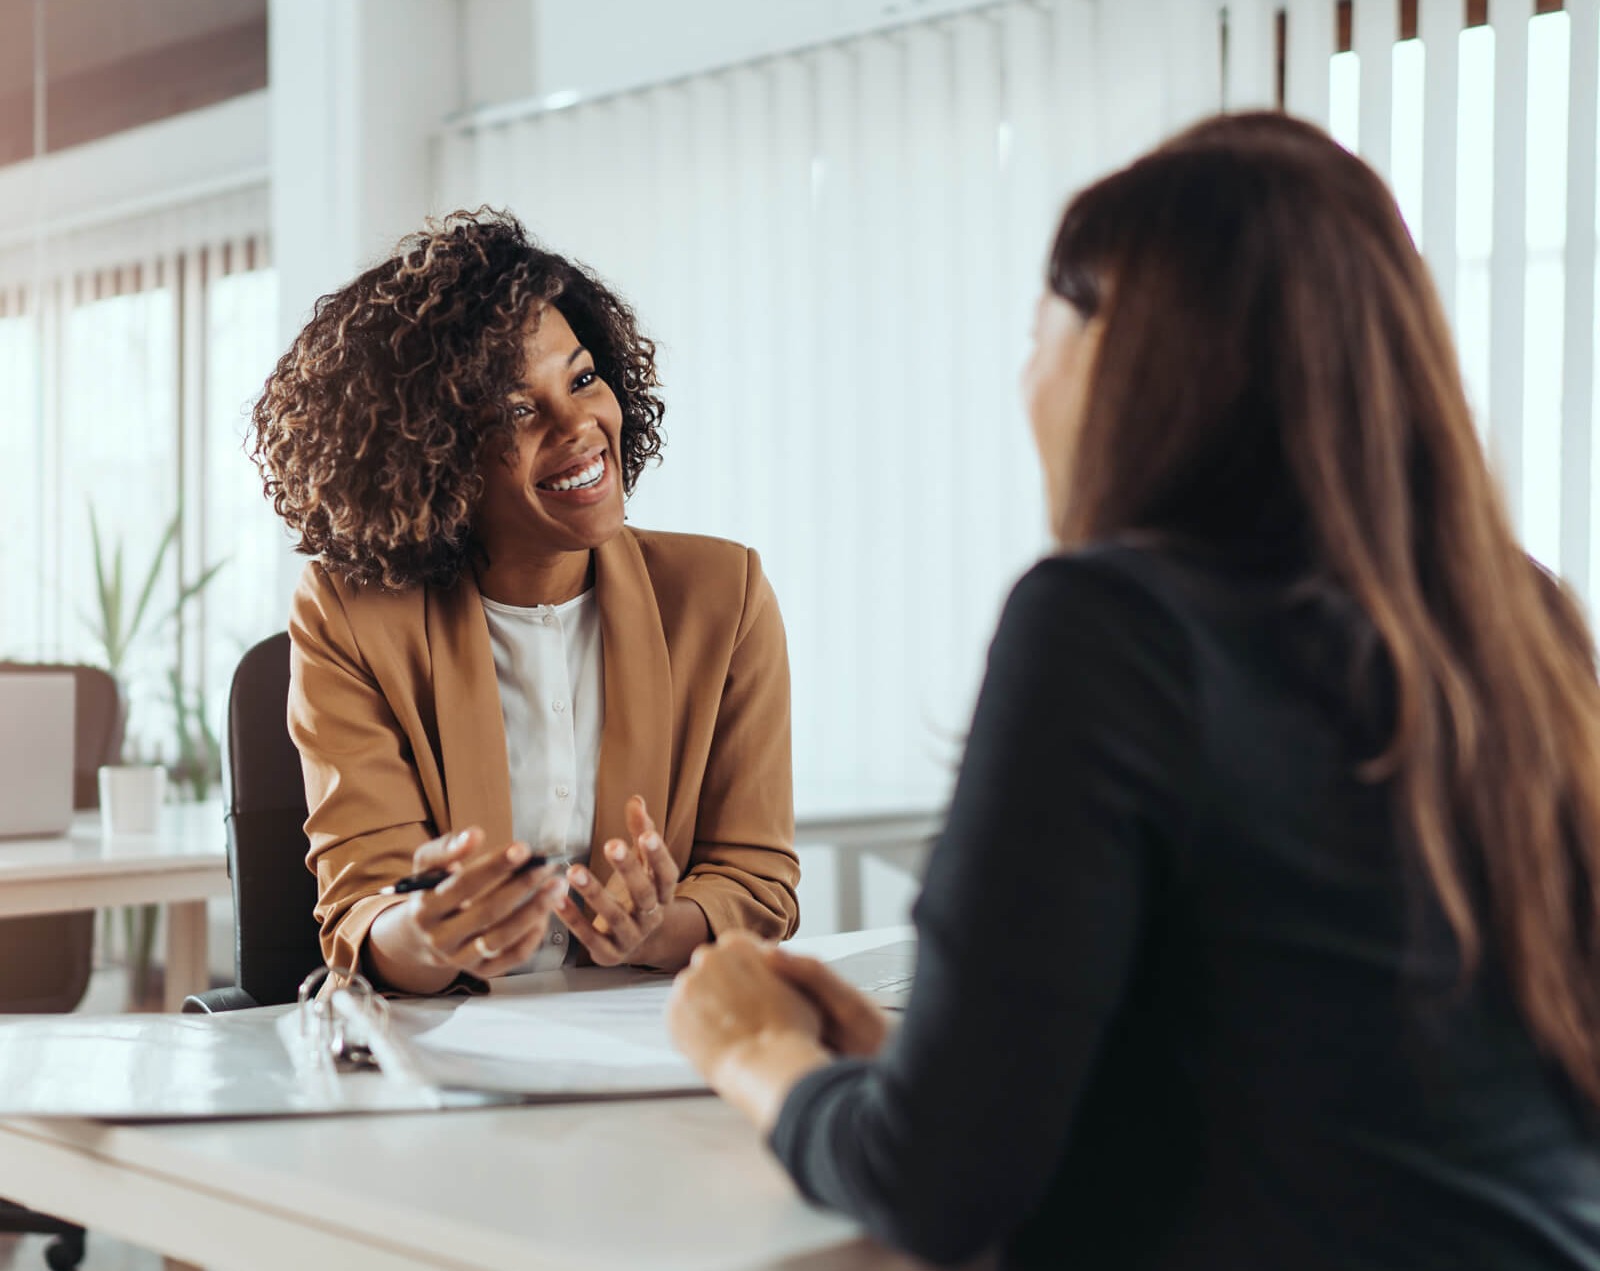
(547, 618)
(558, 706)
(557, 938)
(562, 792)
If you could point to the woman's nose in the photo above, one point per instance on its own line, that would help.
(574, 419)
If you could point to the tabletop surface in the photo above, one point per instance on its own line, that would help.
(189, 834)
(667, 1183)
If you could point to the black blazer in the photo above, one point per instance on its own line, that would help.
(1173, 1008)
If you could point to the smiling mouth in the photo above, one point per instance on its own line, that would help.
(583, 475)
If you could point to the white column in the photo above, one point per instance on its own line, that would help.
(357, 88)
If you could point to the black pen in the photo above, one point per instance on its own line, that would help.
(431, 878)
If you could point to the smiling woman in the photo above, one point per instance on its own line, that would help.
(489, 667)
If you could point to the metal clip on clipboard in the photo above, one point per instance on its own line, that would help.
(344, 1025)
(340, 1036)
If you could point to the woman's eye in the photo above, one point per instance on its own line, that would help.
(521, 411)
(584, 380)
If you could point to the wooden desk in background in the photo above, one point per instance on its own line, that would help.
(182, 865)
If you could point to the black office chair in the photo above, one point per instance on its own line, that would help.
(275, 935)
(45, 960)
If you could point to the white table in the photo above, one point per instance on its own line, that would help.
(676, 1184)
(180, 866)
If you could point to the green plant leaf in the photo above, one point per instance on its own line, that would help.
(197, 586)
(116, 639)
(149, 587)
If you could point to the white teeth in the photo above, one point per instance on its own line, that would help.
(581, 480)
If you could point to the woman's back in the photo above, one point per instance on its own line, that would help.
(1345, 1095)
(1271, 1064)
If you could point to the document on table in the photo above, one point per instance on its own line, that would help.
(602, 1042)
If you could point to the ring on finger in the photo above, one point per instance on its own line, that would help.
(651, 912)
(484, 951)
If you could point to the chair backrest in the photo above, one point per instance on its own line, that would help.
(97, 727)
(276, 941)
(45, 960)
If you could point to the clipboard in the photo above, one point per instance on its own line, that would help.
(346, 1050)
(579, 1033)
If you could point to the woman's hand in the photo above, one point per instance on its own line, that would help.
(852, 1024)
(486, 918)
(749, 1032)
(635, 918)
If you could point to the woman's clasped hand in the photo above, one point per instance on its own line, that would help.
(753, 1019)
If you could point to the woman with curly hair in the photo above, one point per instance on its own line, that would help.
(488, 666)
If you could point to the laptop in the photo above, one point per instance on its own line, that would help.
(883, 974)
(37, 713)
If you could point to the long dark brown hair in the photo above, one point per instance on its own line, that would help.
(1275, 367)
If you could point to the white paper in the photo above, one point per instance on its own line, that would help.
(620, 1029)
(608, 1042)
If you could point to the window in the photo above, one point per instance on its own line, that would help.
(124, 394)
(21, 511)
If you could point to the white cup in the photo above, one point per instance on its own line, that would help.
(130, 797)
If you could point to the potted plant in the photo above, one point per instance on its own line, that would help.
(117, 621)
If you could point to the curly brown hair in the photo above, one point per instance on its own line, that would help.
(370, 429)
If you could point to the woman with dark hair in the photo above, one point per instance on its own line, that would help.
(1282, 797)
(488, 666)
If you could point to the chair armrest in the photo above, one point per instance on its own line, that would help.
(215, 1001)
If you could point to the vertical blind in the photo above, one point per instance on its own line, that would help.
(1485, 123)
(838, 251)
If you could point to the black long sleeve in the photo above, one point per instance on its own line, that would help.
(1029, 925)
(1177, 1004)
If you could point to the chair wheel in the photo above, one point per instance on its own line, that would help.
(65, 1252)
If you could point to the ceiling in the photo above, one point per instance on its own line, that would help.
(115, 64)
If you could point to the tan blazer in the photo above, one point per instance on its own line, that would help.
(394, 706)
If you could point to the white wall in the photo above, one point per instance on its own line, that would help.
(605, 46)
